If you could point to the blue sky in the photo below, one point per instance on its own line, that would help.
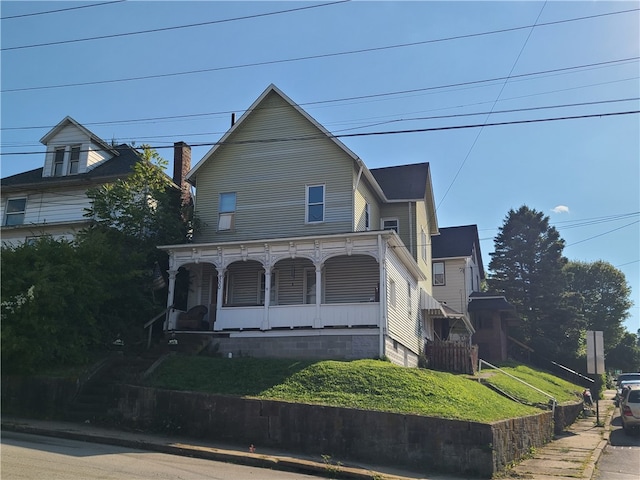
(363, 67)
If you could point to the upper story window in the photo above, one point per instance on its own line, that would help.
(74, 159)
(391, 224)
(392, 293)
(66, 160)
(227, 211)
(315, 204)
(438, 273)
(367, 217)
(14, 214)
(58, 162)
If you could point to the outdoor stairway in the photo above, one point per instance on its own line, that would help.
(97, 398)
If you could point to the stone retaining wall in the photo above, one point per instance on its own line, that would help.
(411, 441)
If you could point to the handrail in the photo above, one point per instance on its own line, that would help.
(553, 405)
(574, 372)
(150, 323)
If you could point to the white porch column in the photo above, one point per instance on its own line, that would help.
(219, 296)
(170, 294)
(267, 298)
(382, 292)
(317, 320)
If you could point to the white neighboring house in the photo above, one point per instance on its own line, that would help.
(303, 251)
(52, 200)
(475, 316)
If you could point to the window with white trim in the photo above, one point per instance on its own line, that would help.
(367, 217)
(74, 160)
(409, 301)
(14, 213)
(438, 273)
(315, 204)
(310, 286)
(227, 211)
(58, 161)
(392, 293)
(391, 224)
(273, 297)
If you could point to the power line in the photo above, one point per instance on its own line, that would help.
(601, 234)
(435, 117)
(60, 10)
(297, 59)
(388, 132)
(164, 29)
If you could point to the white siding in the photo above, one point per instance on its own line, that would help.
(453, 292)
(270, 178)
(404, 318)
(90, 154)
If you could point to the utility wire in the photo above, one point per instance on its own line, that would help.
(602, 234)
(389, 132)
(59, 10)
(177, 27)
(287, 60)
(475, 140)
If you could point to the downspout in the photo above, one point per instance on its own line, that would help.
(382, 293)
(411, 246)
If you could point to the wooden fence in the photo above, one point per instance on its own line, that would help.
(452, 357)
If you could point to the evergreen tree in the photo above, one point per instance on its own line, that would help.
(527, 268)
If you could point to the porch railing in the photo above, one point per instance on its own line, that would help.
(150, 323)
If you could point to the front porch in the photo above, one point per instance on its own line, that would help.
(345, 315)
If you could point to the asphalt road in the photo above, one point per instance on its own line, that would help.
(36, 457)
(621, 458)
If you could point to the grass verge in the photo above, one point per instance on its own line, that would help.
(365, 384)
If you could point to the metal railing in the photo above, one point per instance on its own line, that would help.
(150, 323)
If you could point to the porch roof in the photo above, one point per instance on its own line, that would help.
(196, 250)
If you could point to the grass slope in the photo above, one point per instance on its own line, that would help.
(365, 384)
(558, 388)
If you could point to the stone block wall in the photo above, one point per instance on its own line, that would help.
(40, 397)
(336, 347)
(409, 441)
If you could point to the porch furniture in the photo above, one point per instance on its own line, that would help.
(193, 319)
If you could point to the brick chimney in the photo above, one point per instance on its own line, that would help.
(181, 166)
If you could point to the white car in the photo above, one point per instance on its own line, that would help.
(630, 408)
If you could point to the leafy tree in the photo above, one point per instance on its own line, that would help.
(625, 355)
(61, 300)
(145, 205)
(527, 268)
(603, 297)
(50, 306)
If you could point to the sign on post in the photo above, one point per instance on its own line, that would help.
(595, 359)
(595, 352)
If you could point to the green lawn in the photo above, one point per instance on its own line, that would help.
(366, 384)
(558, 388)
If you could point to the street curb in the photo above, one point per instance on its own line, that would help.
(289, 464)
(591, 468)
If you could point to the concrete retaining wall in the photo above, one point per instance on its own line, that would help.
(39, 397)
(337, 347)
(410, 441)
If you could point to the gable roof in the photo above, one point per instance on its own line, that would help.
(403, 182)
(456, 242)
(70, 121)
(255, 106)
(118, 166)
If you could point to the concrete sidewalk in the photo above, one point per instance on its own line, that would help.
(571, 455)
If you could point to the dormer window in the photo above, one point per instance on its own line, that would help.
(58, 162)
(74, 160)
(66, 160)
